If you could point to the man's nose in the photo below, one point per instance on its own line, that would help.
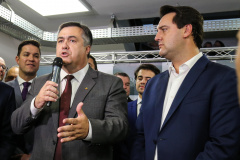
(65, 45)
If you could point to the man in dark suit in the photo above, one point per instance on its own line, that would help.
(7, 106)
(142, 74)
(28, 60)
(193, 111)
(126, 83)
(89, 128)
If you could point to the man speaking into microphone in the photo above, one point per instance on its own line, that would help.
(88, 109)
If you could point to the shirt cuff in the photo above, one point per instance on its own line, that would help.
(34, 111)
(89, 136)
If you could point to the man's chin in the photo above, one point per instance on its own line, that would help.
(161, 54)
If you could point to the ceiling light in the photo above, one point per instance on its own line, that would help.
(55, 7)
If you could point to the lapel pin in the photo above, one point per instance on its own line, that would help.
(86, 88)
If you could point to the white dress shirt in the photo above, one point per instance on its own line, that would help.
(139, 104)
(76, 81)
(21, 81)
(174, 83)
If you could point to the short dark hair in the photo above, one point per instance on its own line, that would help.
(220, 42)
(150, 67)
(186, 15)
(123, 74)
(94, 61)
(207, 43)
(87, 34)
(27, 42)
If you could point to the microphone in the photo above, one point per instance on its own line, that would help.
(57, 65)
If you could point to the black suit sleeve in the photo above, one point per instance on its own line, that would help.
(7, 106)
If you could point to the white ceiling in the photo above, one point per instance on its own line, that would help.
(122, 9)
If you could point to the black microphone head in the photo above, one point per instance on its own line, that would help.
(58, 62)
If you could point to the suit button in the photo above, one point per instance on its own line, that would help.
(54, 143)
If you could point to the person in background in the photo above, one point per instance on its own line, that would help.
(142, 75)
(28, 60)
(88, 109)
(207, 45)
(218, 43)
(7, 106)
(3, 68)
(126, 83)
(92, 62)
(12, 73)
(193, 111)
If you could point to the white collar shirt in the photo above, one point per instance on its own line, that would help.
(139, 104)
(21, 81)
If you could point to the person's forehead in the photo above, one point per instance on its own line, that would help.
(30, 47)
(145, 72)
(166, 19)
(123, 78)
(14, 70)
(70, 31)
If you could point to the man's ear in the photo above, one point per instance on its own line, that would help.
(88, 48)
(187, 30)
(17, 59)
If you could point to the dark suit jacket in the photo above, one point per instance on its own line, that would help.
(7, 106)
(123, 149)
(105, 106)
(203, 122)
(24, 142)
(132, 114)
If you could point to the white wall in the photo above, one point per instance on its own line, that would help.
(8, 49)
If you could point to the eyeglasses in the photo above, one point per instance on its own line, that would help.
(3, 67)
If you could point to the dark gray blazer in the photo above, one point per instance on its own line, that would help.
(18, 95)
(105, 106)
(24, 142)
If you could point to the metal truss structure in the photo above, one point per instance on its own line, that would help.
(222, 53)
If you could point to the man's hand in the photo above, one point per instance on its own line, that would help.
(47, 93)
(78, 127)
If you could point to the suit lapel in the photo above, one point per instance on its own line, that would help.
(18, 94)
(186, 85)
(132, 113)
(158, 107)
(83, 90)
